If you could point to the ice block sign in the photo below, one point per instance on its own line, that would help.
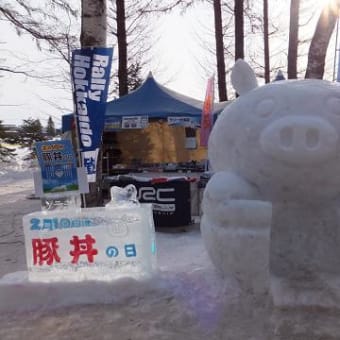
(90, 244)
(58, 166)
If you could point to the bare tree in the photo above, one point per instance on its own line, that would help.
(221, 72)
(293, 39)
(130, 26)
(122, 48)
(93, 34)
(318, 47)
(93, 23)
(49, 24)
(266, 42)
(43, 23)
(239, 29)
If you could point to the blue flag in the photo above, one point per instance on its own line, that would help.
(90, 69)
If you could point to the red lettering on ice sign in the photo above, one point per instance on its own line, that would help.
(45, 250)
(83, 247)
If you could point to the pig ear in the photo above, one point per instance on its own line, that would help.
(243, 77)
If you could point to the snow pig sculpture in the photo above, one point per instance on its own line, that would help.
(271, 210)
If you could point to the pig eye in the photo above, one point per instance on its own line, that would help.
(265, 108)
(333, 105)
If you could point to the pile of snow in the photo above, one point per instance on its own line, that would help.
(18, 167)
(186, 299)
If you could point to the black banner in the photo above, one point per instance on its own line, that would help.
(170, 200)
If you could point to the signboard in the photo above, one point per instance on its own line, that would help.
(90, 244)
(113, 124)
(90, 70)
(58, 166)
(135, 122)
(183, 121)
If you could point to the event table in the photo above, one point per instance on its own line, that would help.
(169, 194)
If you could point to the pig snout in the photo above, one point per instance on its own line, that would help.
(299, 140)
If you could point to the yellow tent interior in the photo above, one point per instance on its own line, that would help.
(157, 143)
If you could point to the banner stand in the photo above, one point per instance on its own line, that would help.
(74, 139)
(61, 200)
(78, 154)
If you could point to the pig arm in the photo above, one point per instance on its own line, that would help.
(229, 200)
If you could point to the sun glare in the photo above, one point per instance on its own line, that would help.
(323, 3)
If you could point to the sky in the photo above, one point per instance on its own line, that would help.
(21, 96)
(176, 62)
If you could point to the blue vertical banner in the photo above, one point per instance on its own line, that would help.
(90, 70)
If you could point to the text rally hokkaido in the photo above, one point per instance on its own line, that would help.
(84, 91)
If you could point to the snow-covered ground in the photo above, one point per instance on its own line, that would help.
(186, 299)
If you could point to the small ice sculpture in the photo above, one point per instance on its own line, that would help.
(123, 196)
(272, 205)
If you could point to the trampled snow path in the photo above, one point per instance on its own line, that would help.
(13, 205)
(187, 300)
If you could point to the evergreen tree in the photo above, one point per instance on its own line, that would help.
(2, 131)
(5, 153)
(50, 129)
(30, 131)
